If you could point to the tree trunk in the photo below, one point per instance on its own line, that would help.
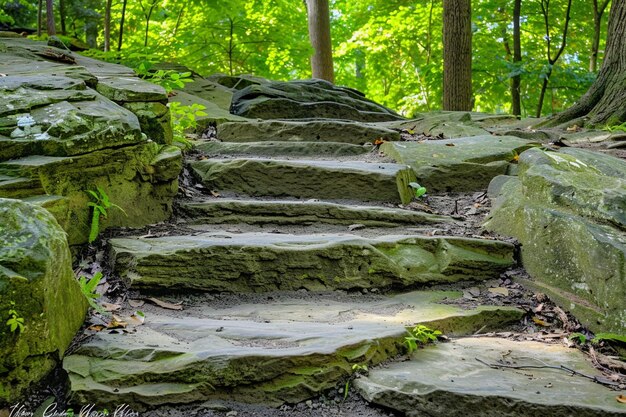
(319, 33)
(516, 100)
(598, 11)
(180, 17)
(39, 18)
(604, 103)
(545, 9)
(121, 37)
(457, 55)
(62, 16)
(107, 26)
(50, 18)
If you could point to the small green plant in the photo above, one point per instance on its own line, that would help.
(599, 337)
(88, 288)
(579, 337)
(420, 335)
(15, 322)
(168, 79)
(184, 118)
(417, 189)
(100, 207)
(616, 128)
(357, 369)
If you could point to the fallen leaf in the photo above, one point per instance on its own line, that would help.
(540, 322)
(136, 303)
(111, 307)
(621, 398)
(116, 323)
(379, 141)
(96, 327)
(450, 144)
(215, 193)
(165, 304)
(501, 291)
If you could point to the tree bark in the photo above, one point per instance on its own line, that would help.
(604, 102)
(50, 18)
(39, 17)
(516, 101)
(121, 37)
(62, 16)
(319, 34)
(107, 26)
(457, 55)
(598, 11)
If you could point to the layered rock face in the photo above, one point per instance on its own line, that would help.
(69, 124)
(568, 211)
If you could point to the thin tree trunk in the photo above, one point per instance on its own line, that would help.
(230, 44)
(39, 18)
(62, 16)
(147, 14)
(516, 100)
(319, 34)
(457, 55)
(604, 101)
(50, 18)
(598, 12)
(107, 26)
(121, 37)
(429, 33)
(179, 18)
(545, 9)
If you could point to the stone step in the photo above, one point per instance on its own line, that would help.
(19, 187)
(314, 130)
(448, 380)
(328, 180)
(261, 262)
(29, 166)
(275, 148)
(225, 210)
(285, 348)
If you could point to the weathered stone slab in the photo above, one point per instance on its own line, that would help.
(210, 91)
(305, 131)
(130, 89)
(37, 281)
(215, 113)
(447, 380)
(275, 148)
(567, 210)
(465, 164)
(307, 99)
(308, 179)
(446, 125)
(302, 212)
(259, 262)
(284, 351)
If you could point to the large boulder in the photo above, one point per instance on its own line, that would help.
(60, 136)
(567, 210)
(37, 282)
(307, 99)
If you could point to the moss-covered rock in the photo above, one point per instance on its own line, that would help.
(261, 262)
(567, 210)
(307, 99)
(59, 138)
(464, 164)
(37, 281)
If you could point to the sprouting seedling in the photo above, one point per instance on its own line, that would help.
(420, 335)
(417, 189)
(100, 207)
(15, 322)
(88, 288)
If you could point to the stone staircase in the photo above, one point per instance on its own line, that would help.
(288, 274)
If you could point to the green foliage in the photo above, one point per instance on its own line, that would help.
(578, 337)
(599, 337)
(184, 119)
(616, 128)
(100, 207)
(420, 335)
(88, 288)
(15, 322)
(418, 189)
(357, 369)
(390, 50)
(168, 79)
